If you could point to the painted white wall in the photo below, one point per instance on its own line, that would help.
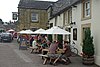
(76, 17)
(60, 20)
(96, 29)
(52, 21)
(95, 24)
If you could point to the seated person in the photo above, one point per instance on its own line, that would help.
(31, 40)
(34, 45)
(66, 53)
(52, 51)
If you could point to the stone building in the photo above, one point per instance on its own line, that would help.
(32, 14)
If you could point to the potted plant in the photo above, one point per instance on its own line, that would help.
(88, 48)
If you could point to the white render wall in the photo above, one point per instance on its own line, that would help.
(52, 21)
(95, 28)
(95, 24)
(60, 20)
(76, 17)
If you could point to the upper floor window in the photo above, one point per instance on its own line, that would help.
(49, 12)
(34, 17)
(69, 16)
(86, 8)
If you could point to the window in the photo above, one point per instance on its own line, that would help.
(75, 34)
(69, 16)
(34, 17)
(86, 8)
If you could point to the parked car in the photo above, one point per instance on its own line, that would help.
(6, 37)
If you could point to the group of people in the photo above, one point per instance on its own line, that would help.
(53, 55)
(40, 42)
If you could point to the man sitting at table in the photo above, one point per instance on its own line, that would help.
(52, 50)
(65, 54)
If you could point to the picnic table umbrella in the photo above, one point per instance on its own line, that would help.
(26, 32)
(11, 30)
(23, 32)
(39, 31)
(56, 30)
(29, 31)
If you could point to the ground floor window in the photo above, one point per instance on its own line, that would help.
(75, 34)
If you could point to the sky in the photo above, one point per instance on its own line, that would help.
(9, 6)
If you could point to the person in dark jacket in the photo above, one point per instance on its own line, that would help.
(31, 40)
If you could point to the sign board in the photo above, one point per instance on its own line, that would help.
(14, 15)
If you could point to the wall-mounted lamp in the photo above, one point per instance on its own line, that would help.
(72, 24)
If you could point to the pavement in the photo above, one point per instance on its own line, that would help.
(11, 56)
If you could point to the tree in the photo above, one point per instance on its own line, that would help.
(88, 46)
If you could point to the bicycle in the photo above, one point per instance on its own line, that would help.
(74, 50)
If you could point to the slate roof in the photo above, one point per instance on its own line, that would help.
(62, 5)
(31, 4)
(2, 26)
(10, 26)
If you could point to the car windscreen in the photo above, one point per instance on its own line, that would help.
(6, 35)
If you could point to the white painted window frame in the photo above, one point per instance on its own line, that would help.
(87, 8)
(34, 17)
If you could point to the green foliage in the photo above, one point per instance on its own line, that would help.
(60, 38)
(50, 38)
(88, 46)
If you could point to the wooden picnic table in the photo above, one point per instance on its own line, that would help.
(58, 51)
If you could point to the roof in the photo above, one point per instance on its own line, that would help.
(31, 4)
(61, 5)
(2, 26)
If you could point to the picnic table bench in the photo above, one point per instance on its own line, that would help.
(45, 56)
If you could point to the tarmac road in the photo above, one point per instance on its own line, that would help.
(11, 56)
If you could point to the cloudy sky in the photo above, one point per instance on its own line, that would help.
(9, 6)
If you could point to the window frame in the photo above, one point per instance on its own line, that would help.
(86, 9)
(35, 16)
(75, 34)
(69, 16)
